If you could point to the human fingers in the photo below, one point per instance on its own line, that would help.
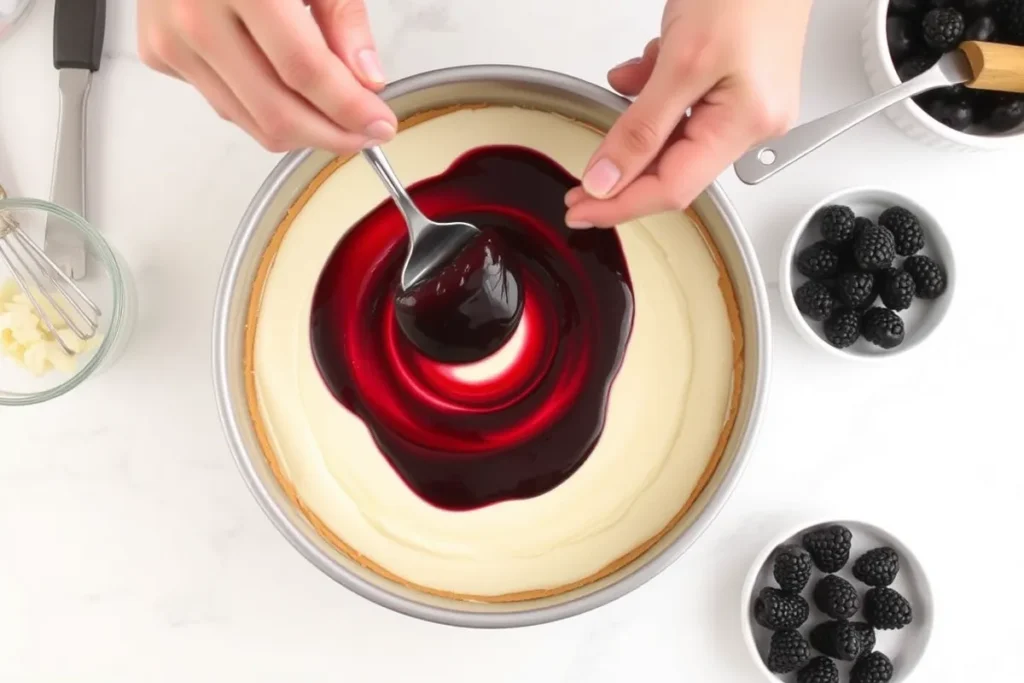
(678, 80)
(631, 76)
(346, 27)
(165, 52)
(284, 120)
(293, 43)
(715, 135)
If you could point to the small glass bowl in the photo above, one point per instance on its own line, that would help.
(107, 282)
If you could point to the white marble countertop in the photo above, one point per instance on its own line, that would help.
(132, 550)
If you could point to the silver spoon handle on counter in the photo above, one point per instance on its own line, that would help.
(768, 158)
(414, 218)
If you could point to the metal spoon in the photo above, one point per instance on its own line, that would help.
(979, 65)
(431, 245)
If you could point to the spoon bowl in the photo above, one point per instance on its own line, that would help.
(431, 244)
(457, 299)
(433, 247)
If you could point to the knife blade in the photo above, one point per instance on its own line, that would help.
(78, 31)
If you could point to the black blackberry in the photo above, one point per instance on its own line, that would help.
(819, 670)
(814, 300)
(819, 261)
(929, 276)
(836, 597)
(905, 228)
(955, 113)
(982, 28)
(829, 547)
(860, 224)
(886, 609)
(838, 224)
(788, 652)
(867, 636)
(943, 28)
(842, 330)
(913, 67)
(1005, 116)
(836, 639)
(792, 568)
(897, 289)
(875, 668)
(877, 567)
(883, 328)
(900, 37)
(874, 249)
(986, 101)
(857, 289)
(775, 609)
(1010, 14)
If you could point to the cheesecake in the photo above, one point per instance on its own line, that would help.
(670, 406)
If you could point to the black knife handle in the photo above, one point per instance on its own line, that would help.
(78, 27)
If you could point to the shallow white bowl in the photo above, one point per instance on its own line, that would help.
(907, 115)
(923, 316)
(904, 647)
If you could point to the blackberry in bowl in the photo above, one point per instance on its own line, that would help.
(904, 38)
(866, 274)
(836, 600)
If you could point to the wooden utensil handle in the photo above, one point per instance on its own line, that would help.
(995, 66)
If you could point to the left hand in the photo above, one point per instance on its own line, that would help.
(736, 63)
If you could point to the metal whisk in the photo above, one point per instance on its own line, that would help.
(27, 262)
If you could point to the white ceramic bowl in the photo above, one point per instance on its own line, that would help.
(904, 647)
(907, 115)
(923, 316)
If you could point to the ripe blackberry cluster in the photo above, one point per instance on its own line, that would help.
(921, 31)
(858, 261)
(833, 638)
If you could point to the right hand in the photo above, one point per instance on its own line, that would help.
(291, 76)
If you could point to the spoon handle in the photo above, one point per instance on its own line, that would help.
(995, 66)
(414, 219)
(772, 156)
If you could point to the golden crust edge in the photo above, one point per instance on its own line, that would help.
(252, 313)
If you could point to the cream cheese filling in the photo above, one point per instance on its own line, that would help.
(667, 409)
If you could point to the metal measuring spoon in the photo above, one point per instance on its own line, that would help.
(985, 66)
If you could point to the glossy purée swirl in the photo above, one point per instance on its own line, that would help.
(514, 425)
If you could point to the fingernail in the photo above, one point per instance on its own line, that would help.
(628, 62)
(601, 178)
(380, 130)
(578, 225)
(369, 64)
(372, 143)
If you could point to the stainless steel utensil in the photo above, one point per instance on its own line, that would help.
(78, 29)
(768, 158)
(38, 276)
(430, 244)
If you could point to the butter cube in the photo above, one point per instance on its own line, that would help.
(36, 360)
(8, 290)
(12, 307)
(16, 352)
(60, 360)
